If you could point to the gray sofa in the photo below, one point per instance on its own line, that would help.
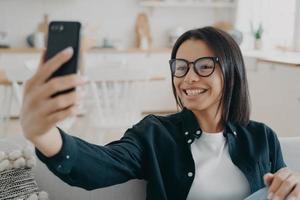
(134, 189)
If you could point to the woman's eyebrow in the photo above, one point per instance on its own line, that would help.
(194, 59)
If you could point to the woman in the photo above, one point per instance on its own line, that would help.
(208, 150)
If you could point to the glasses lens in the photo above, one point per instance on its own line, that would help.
(179, 68)
(205, 66)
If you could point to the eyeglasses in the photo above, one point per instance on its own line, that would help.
(204, 66)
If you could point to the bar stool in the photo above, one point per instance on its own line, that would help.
(10, 92)
(114, 91)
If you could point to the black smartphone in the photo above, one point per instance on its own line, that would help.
(63, 34)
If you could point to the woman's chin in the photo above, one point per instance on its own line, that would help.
(194, 106)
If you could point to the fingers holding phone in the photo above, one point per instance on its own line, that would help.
(47, 68)
(50, 95)
(40, 110)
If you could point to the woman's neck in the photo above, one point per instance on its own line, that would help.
(209, 121)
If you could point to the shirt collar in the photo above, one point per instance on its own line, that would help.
(230, 128)
(192, 129)
(190, 126)
(190, 123)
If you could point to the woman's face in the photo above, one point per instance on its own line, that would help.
(198, 93)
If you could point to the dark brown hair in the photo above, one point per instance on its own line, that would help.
(235, 96)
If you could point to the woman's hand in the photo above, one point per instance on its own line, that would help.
(284, 184)
(40, 112)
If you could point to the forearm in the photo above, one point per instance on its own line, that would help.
(90, 166)
(49, 143)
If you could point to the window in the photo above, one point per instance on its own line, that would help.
(276, 16)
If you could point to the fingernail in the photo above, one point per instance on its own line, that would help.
(84, 78)
(275, 198)
(270, 195)
(291, 198)
(78, 102)
(265, 182)
(81, 94)
(68, 50)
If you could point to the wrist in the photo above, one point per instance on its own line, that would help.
(49, 143)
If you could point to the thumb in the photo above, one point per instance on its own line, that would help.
(268, 178)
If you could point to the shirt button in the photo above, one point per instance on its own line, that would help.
(198, 132)
(67, 157)
(186, 133)
(189, 141)
(190, 174)
(59, 166)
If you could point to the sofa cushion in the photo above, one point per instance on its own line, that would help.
(291, 149)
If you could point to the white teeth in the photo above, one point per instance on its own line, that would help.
(194, 92)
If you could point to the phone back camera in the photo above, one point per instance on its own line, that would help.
(53, 28)
(61, 28)
(58, 28)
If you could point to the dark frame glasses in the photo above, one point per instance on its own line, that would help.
(203, 66)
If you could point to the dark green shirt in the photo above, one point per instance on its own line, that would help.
(157, 149)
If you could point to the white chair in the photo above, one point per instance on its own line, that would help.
(290, 149)
(11, 93)
(5, 98)
(115, 89)
(17, 75)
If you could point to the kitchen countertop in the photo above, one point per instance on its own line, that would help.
(290, 58)
(276, 57)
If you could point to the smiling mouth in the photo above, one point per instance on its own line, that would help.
(194, 92)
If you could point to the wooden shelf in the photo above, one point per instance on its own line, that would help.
(191, 4)
(95, 50)
(20, 50)
(129, 50)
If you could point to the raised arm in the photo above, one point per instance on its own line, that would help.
(40, 112)
(73, 160)
(91, 166)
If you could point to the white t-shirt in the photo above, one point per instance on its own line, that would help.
(216, 177)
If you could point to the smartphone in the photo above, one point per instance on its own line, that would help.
(63, 34)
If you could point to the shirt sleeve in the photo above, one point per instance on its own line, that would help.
(91, 166)
(276, 158)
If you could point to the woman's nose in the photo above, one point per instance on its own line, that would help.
(191, 76)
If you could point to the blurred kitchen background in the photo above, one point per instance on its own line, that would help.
(126, 46)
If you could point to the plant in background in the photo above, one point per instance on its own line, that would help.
(257, 33)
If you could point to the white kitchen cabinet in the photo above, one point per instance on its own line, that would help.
(274, 88)
(157, 95)
(17, 59)
(275, 96)
(10, 63)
